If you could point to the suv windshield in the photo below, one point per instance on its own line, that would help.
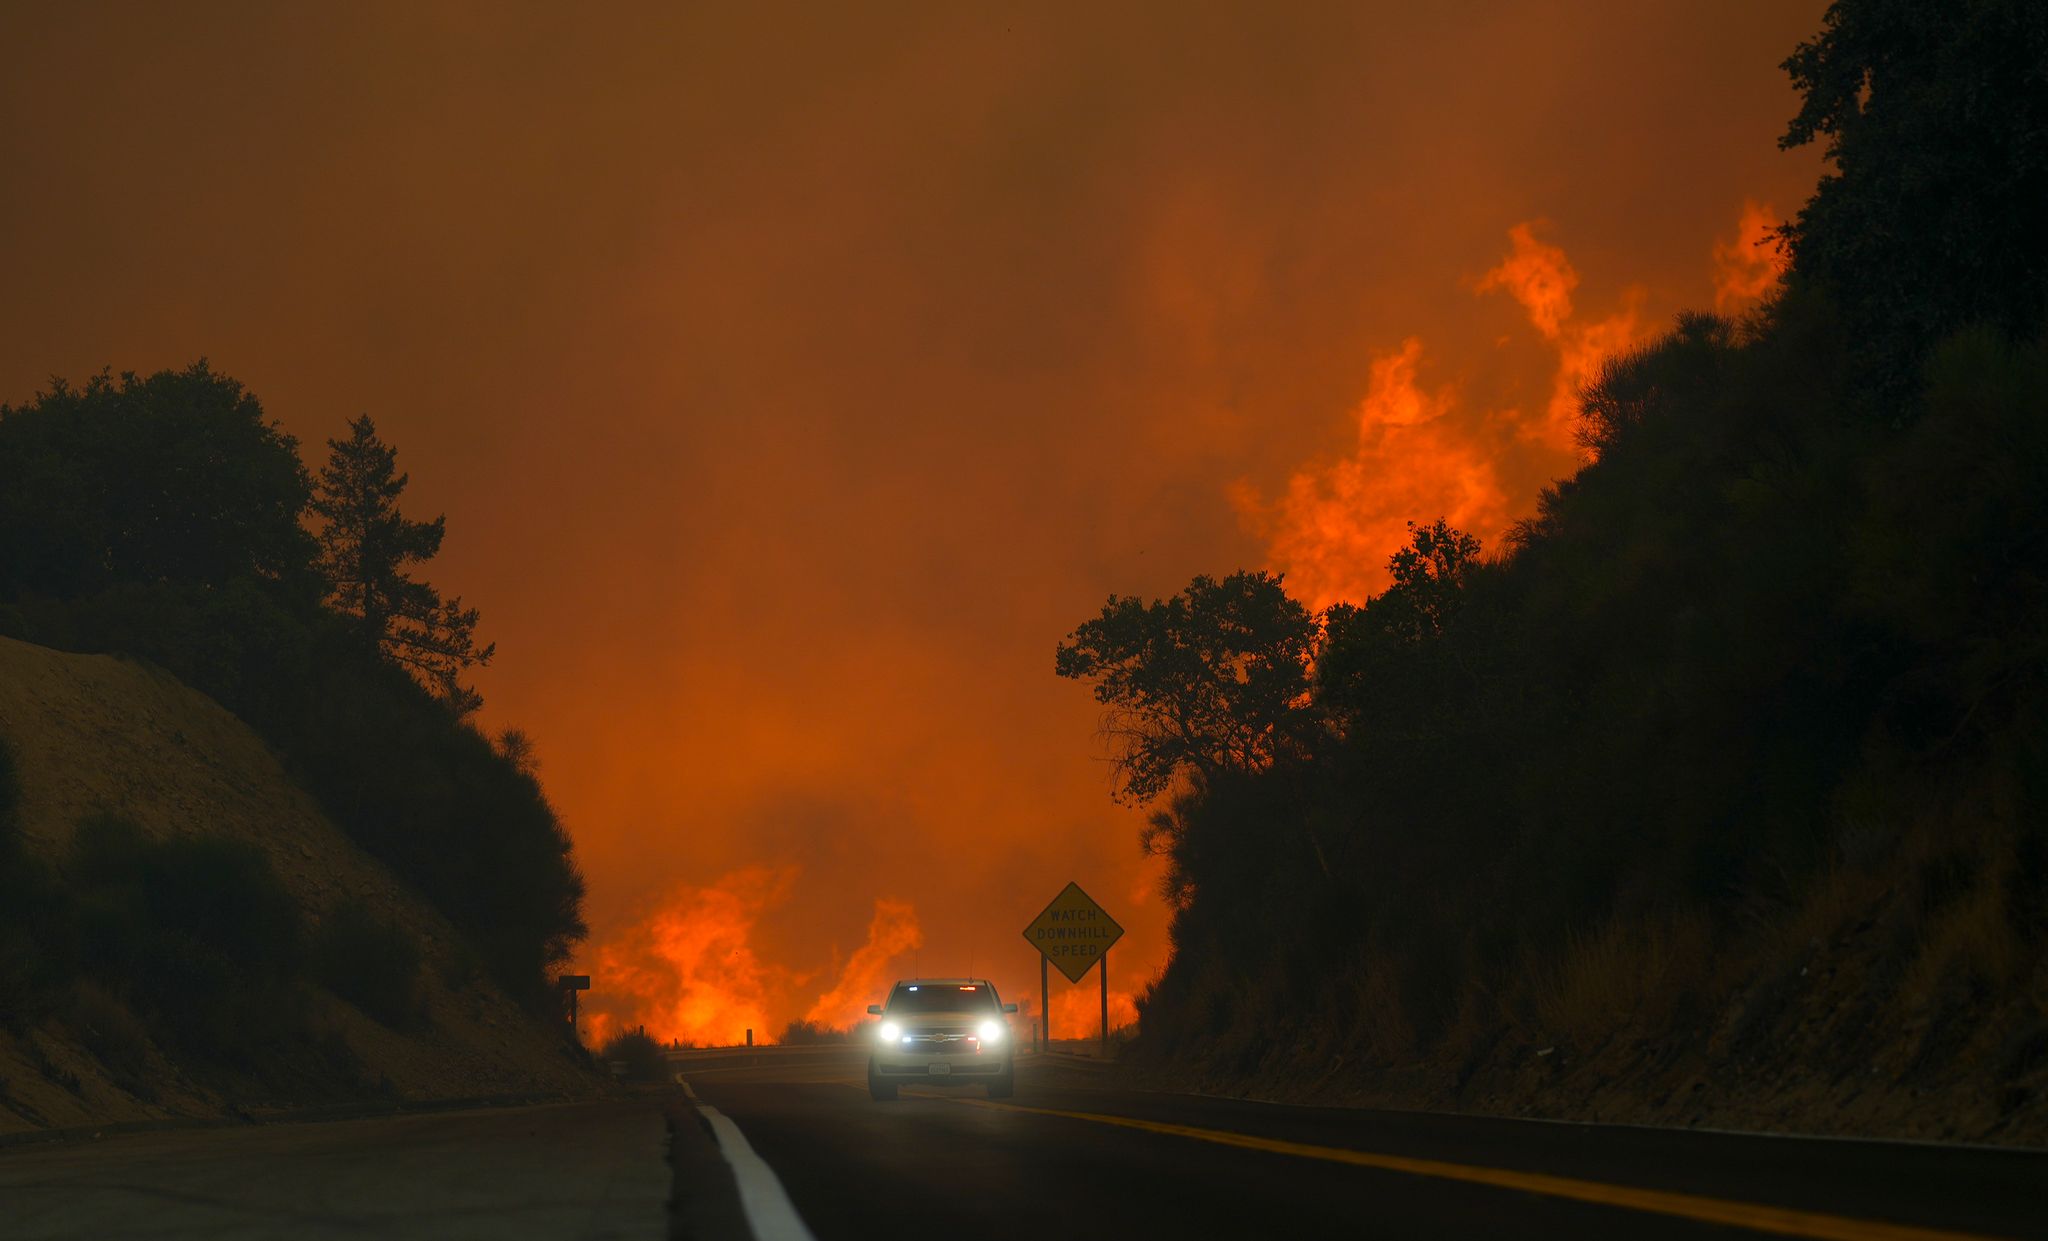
(924, 998)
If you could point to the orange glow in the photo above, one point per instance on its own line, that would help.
(1077, 1013)
(866, 975)
(1750, 264)
(692, 971)
(1540, 277)
(1420, 456)
(1333, 529)
(689, 973)
(784, 419)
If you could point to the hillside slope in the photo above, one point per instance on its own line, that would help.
(1852, 1018)
(96, 735)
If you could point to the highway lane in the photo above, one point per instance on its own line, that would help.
(1077, 1148)
(577, 1170)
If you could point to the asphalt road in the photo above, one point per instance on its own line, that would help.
(584, 1170)
(1077, 1153)
(781, 1147)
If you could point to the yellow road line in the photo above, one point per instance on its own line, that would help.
(1783, 1221)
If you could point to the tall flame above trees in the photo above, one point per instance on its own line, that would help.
(366, 547)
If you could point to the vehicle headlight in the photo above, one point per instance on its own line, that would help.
(889, 1031)
(991, 1031)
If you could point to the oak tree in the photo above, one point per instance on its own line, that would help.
(1211, 679)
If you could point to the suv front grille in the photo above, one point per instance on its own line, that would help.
(953, 1041)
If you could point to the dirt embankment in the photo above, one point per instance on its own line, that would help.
(94, 735)
(1861, 1017)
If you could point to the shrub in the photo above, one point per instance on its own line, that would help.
(812, 1033)
(371, 962)
(114, 1037)
(641, 1055)
(35, 920)
(197, 934)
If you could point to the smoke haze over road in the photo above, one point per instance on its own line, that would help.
(794, 378)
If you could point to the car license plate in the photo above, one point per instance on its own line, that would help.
(939, 1070)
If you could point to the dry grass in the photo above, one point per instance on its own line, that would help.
(1830, 906)
(1970, 942)
(1626, 974)
(1382, 1030)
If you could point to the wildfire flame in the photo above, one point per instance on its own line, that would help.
(893, 932)
(1077, 1013)
(1422, 449)
(690, 972)
(1539, 276)
(1419, 456)
(1337, 523)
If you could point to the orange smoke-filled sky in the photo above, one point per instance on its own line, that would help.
(793, 378)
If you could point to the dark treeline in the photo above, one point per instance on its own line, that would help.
(1767, 673)
(164, 518)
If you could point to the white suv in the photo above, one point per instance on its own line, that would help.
(943, 1031)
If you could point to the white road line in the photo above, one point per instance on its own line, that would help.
(769, 1212)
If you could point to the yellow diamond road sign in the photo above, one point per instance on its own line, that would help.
(1073, 932)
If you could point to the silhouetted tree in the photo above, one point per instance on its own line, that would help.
(1761, 646)
(174, 478)
(1214, 678)
(1635, 382)
(1930, 220)
(160, 519)
(516, 747)
(366, 547)
(1429, 579)
(1389, 651)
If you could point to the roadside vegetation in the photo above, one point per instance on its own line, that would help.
(165, 518)
(636, 1056)
(31, 967)
(1741, 740)
(371, 962)
(801, 1033)
(188, 947)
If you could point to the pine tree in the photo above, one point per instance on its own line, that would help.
(366, 547)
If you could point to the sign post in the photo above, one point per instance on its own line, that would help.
(570, 985)
(1044, 1009)
(1074, 933)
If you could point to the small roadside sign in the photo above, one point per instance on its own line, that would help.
(1073, 932)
